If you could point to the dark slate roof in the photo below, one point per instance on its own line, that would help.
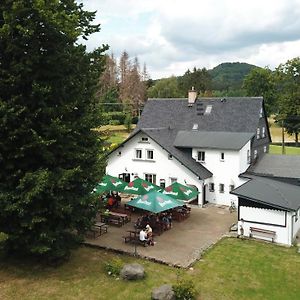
(235, 114)
(273, 165)
(272, 192)
(212, 139)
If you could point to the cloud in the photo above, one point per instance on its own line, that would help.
(173, 35)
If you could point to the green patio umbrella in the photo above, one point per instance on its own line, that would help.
(109, 183)
(140, 186)
(181, 192)
(154, 202)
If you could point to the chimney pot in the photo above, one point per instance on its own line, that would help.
(192, 96)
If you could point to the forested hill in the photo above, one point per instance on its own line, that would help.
(225, 79)
(229, 76)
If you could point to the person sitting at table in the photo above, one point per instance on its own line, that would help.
(143, 236)
(166, 222)
(169, 216)
(149, 234)
(118, 199)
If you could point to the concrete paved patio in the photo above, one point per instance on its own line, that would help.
(179, 246)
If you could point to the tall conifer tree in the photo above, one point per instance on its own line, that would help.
(49, 156)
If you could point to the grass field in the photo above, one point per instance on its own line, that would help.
(233, 269)
(288, 150)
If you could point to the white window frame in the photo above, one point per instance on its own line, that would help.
(248, 156)
(202, 158)
(144, 139)
(221, 188)
(147, 154)
(150, 177)
(136, 152)
(261, 112)
(263, 132)
(258, 133)
(211, 187)
(265, 149)
(255, 154)
(231, 187)
(222, 154)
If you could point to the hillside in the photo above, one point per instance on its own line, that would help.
(229, 75)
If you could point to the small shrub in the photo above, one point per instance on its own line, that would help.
(184, 290)
(113, 268)
(128, 122)
(114, 122)
(135, 120)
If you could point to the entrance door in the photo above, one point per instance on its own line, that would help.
(125, 177)
(204, 194)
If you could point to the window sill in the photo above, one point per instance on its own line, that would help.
(143, 142)
(140, 159)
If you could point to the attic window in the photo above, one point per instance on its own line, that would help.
(144, 140)
(208, 109)
(195, 126)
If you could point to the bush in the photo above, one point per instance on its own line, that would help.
(115, 115)
(114, 122)
(184, 290)
(113, 268)
(135, 120)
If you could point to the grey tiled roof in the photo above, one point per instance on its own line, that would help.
(277, 165)
(212, 139)
(236, 114)
(272, 192)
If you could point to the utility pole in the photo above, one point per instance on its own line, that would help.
(282, 131)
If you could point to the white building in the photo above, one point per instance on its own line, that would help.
(206, 143)
(268, 209)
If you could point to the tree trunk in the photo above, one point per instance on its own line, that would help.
(297, 138)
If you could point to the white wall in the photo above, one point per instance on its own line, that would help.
(162, 166)
(226, 172)
(277, 217)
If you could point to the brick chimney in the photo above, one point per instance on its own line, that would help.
(192, 96)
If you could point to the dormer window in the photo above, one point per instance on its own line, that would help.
(261, 112)
(208, 109)
(201, 156)
(195, 126)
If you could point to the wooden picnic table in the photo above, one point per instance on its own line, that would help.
(97, 229)
(101, 226)
(133, 236)
(126, 218)
(112, 219)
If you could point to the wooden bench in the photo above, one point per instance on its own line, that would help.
(134, 237)
(262, 233)
(111, 219)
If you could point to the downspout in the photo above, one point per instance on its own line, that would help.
(293, 216)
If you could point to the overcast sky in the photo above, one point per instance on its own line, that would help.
(171, 36)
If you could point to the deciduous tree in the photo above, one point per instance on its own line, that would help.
(261, 82)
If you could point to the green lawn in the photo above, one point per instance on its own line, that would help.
(233, 269)
(288, 150)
